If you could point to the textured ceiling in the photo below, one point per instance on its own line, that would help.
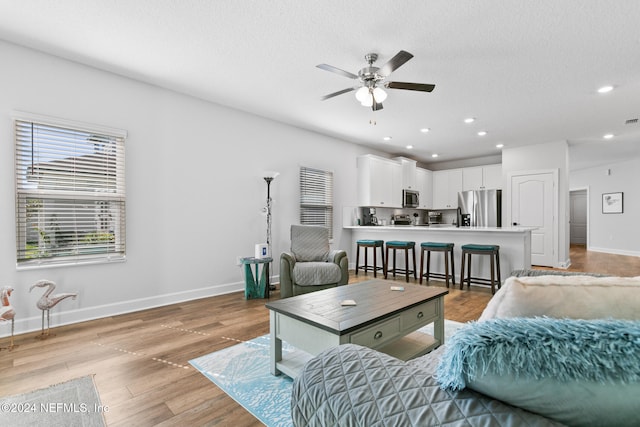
(527, 70)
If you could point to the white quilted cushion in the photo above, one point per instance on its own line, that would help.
(575, 297)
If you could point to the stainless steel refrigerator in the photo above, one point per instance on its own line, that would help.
(483, 207)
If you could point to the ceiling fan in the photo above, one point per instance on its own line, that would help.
(369, 92)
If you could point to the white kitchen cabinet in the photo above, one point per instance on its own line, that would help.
(446, 186)
(424, 184)
(408, 173)
(482, 177)
(492, 177)
(379, 182)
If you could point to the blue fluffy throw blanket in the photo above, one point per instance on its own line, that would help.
(603, 350)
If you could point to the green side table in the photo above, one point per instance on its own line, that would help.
(256, 286)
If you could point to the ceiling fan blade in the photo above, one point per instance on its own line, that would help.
(422, 87)
(333, 69)
(376, 105)
(395, 63)
(340, 92)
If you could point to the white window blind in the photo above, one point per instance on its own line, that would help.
(70, 193)
(316, 198)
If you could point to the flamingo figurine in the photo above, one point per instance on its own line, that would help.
(47, 301)
(6, 310)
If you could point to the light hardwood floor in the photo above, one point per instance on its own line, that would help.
(140, 360)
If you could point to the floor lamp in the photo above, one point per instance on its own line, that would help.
(269, 177)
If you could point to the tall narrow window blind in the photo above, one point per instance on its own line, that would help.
(70, 193)
(316, 198)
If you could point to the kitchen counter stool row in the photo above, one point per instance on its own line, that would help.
(493, 251)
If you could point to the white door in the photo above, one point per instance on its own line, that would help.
(533, 204)
(578, 217)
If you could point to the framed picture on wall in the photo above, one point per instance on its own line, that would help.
(612, 203)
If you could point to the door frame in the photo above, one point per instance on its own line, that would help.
(586, 189)
(555, 209)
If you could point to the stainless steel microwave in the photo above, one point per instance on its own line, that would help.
(410, 199)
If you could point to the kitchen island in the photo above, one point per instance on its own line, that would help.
(514, 242)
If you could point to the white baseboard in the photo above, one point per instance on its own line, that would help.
(614, 251)
(61, 318)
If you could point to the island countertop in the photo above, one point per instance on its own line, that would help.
(514, 242)
(448, 228)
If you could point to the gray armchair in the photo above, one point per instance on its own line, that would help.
(311, 266)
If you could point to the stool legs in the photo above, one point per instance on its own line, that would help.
(494, 261)
(448, 271)
(407, 271)
(366, 267)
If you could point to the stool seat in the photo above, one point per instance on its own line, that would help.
(436, 245)
(480, 248)
(403, 246)
(447, 248)
(370, 242)
(400, 244)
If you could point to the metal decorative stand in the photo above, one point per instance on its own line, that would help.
(48, 301)
(7, 312)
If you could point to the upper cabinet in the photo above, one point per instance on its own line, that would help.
(446, 186)
(482, 177)
(424, 184)
(379, 182)
(408, 172)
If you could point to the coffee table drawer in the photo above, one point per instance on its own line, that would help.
(419, 315)
(378, 334)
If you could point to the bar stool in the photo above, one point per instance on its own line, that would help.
(494, 258)
(370, 244)
(447, 249)
(401, 245)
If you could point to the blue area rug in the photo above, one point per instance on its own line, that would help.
(242, 371)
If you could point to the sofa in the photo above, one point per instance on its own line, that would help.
(552, 349)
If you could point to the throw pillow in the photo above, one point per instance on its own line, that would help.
(577, 372)
(576, 297)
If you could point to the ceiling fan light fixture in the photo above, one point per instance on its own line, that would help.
(379, 94)
(362, 94)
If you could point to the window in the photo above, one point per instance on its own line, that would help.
(70, 192)
(316, 198)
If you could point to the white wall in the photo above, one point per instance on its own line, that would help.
(546, 156)
(612, 233)
(194, 187)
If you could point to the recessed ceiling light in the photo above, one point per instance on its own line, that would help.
(470, 120)
(605, 89)
(482, 133)
(434, 155)
(387, 138)
(608, 136)
(409, 147)
(499, 145)
(425, 130)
